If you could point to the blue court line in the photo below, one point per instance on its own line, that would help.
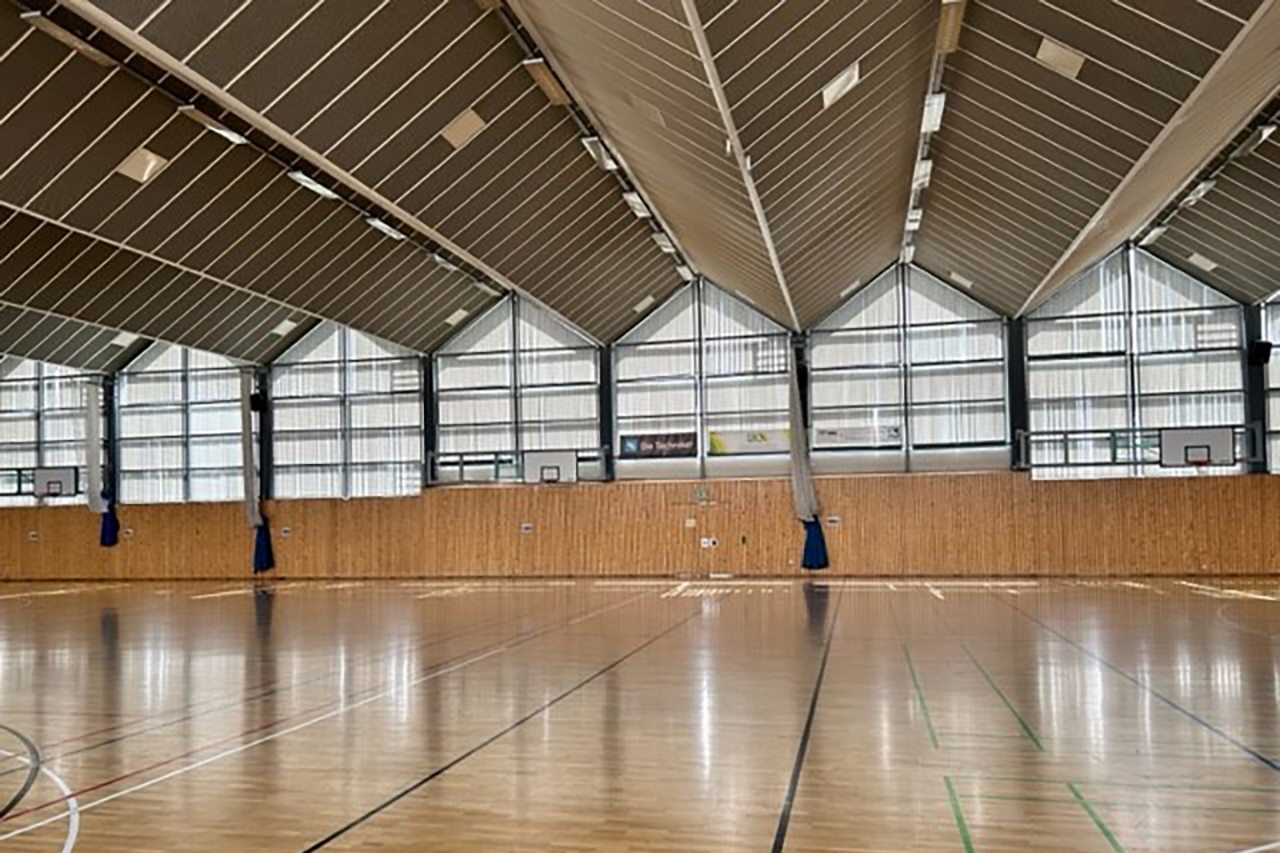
(1189, 714)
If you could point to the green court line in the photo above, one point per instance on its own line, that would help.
(958, 815)
(924, 706)
(1026, 727)
(1097, 821)
(1141, 786)
(1031, 798)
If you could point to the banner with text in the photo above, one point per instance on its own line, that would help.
(667, 445)
(734, 442)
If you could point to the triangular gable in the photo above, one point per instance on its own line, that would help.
(321, 344)
(673, 320)
(540, 329)
(728, 316)
(1158, 286)
(362, 346)
(932, 300)
(1101, 289)
(876, 305)
(489, 332)
(157, 358)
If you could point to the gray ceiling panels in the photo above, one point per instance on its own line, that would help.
(1028, 157)
(372, 85)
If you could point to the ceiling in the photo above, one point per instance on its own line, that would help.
(714, 108)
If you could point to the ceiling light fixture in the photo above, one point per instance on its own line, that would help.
(124, 339)
(637, 205)
(961, 280)
(285, 327)
(684, 272)
(142, 165)
(923, 174)
(908, 253)
(463, 129)
(546, 79)
(664, 242)
(934, 106)
(643, 305)
(841, 85)
(210, 123)
(1254, 142)
(457, 317)
(1060, 58)
(1202, 189)
(383, 228)
(844, 294)
(1153, 235)
(596, 148)
(949, 24)
(55, 31)
(444, 263)
(485, 289)
(1202, 262)
(914, 217)
(305, 181)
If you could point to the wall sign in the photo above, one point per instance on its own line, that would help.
(664, 445)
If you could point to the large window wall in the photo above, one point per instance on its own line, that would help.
(909, 371)
(179, 427)
(347, 414)
(1132, 346)
(517, 379)
(41, 424)
(707, 372)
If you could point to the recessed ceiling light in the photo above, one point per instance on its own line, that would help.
(546, 79)
(444, 263)
(1201, 190)
(142, 165)
(908, 254)
(1060, 58)
(961, 280)
(1153, 235)
(643, 305)
(68, 38)
(124, 339)
(684, 272)
(841, 85)
(1254, 142)
(949, 25)
(1202, 262)
(857, 282)
(383, 228)
(194, 113)
(637, 205)
(914, 217)
(600, 153)
(304, 180)
(285, 327)
(934, 106)
(484, 288)
(463, 129)
(923, 174)
(457, 317)
(664, 242)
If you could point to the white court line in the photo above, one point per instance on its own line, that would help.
(71, 590)
(1229, 593)
(222, 594)
(337, 712)
(1275, 845)
(675, 590)
(73, 806)
(933, 590)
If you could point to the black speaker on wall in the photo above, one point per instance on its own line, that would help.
(1259, 352)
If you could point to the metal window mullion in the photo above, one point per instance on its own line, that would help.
(904, 363)
(1131, 353)
(186, 424)
(517, 440)
(344, 390)
(700, 374)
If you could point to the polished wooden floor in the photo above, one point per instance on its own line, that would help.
(642, 716)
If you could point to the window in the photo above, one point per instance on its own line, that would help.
(908, 363)
(1132, 346)
(347, 412)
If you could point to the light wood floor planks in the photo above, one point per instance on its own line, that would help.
(1075, 716)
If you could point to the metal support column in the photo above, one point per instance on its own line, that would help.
(111, 438)
(266, 434)
(430, 420)
(800, 351)
(604, 410)
(1016, 386)
(1255, 388)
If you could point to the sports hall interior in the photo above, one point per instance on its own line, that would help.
(639, 425)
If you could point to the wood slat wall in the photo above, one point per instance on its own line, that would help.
(897, 525)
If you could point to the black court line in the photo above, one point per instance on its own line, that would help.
(1186, 712)
(784, 818)
(454, 762)
(33, 770)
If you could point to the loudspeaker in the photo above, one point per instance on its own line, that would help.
(257, 402)
(1259, 353)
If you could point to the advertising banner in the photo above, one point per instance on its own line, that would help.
(667, 445)
(868, 436)
(734, 442)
